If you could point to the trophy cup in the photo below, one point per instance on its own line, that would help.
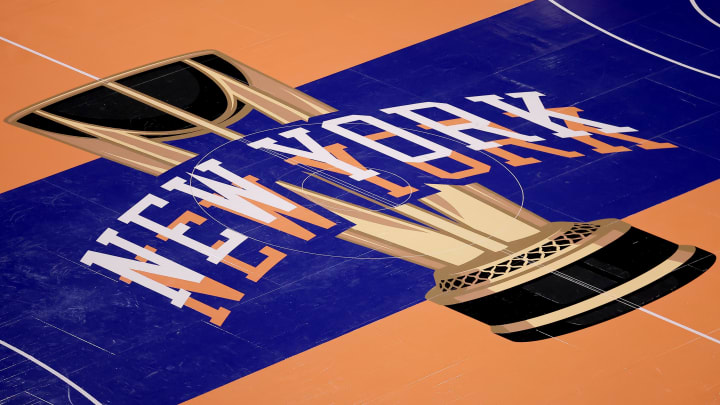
(529, 279)
(127, 117)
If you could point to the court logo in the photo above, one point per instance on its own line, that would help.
(528, 278)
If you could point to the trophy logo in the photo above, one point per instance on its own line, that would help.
(528, 278)
(127, 117)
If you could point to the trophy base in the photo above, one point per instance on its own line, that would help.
(694, 267)
(629, 272)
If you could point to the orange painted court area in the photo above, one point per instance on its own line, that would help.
(423, 354)
(328, 37)
(430, 354)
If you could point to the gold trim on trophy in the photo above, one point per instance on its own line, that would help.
(528, 278)
(239, 87)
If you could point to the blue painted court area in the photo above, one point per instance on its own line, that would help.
(85, 323)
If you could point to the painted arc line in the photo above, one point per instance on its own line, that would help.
(52, 371)
(625, 41)
(42, 55)
(348, 185)
(702, 13)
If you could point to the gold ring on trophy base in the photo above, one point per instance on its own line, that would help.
(515, 248)
(607, 231)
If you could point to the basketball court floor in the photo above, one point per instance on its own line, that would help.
(319, 202)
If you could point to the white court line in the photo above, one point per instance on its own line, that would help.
(52, 371)
(679, 325)
(76, 337)
(49, 58)
(625, 41)
(3, 343)
(702, 13)
(638, 307)
(33, 395)
(11, 396)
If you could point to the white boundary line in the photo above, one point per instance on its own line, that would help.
(52, 371)
(679, 325)
(702, 13)
(638, 307)
(49, 58)
(625, 41)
